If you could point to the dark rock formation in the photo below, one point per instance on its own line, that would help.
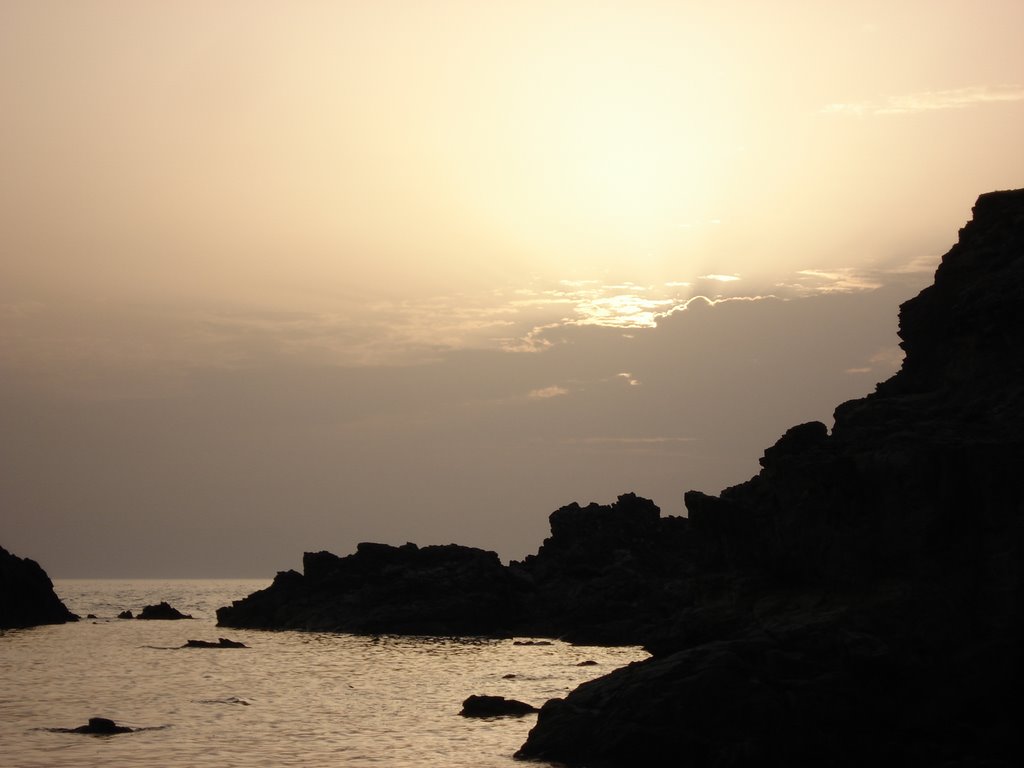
(221, 643)
(161, 611)
(438, 590)
(861, 600)
(495, 706)
(126, 615)
(604, 572)
(101, 726)
(607, 574)
(26, 594)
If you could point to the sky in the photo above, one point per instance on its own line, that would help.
(283, 277)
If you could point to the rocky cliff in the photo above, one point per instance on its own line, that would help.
(607, 574)
(860, 600)
(26, 594)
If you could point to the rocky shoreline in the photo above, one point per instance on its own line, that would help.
(860, 601)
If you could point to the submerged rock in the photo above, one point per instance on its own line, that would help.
(495, 706)
(162, 611)
(861, 600)
(27, 598)
(101, 726)
(221, 643)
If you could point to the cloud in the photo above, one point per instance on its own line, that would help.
(929, 101)
(839, 280)
(546, 393)
(101, 349)
(881, 364)
(918, 265)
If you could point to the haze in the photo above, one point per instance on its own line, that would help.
(285, 277)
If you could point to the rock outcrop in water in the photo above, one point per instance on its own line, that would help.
(222, 642)
(861, 600)
(101, 726)
(163, 611)
(607, 574)
(26, 594)
(495, 706)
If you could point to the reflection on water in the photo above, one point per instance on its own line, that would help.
(289, 699)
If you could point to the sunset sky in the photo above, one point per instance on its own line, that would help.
(278, 277)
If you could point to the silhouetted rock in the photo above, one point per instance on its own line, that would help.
(125, 615)
(436, 590)
(26, 594)
(161, 611)
(221, 643)
(606, 575)
(101, 726)
(495, 706)
(861, 600)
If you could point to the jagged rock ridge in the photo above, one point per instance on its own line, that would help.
(606, 574)
(860, 600)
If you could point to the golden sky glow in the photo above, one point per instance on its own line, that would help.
(546, 239)
(316, 151)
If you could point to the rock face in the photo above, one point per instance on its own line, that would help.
(26, 594)
(606, 574)
(861, 600)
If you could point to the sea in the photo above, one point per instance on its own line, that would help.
(289, 698)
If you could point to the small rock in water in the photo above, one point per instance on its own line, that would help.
(509, 676)
(228, 700)
(495, 706)
(162, 611)
(125, 615)
(587, 663)
(531, 642)
(221, 643)
(101, 726)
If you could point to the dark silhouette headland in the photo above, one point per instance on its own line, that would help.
(27, 598)
(858, 602)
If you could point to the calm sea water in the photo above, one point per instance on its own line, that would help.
(291, 698)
